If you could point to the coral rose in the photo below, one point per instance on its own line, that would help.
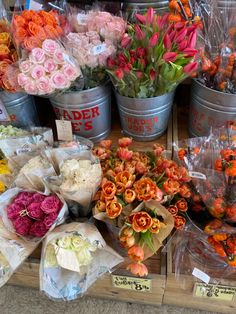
(138, 269)
(141, 221)
(113, 209)
(182, 205)
(171, 186)
(125, 141)
(129, 196)
(109, 190)
(126, 178)
(124, 154)
(145, 189)
(136, 253)
(106, 144)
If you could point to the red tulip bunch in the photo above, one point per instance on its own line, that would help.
(155, 56)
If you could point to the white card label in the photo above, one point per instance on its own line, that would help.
(197, 175)
(3, 113)
(64, 130)
(96, 50)
(82, 18)
(23, 150)
(201, 275)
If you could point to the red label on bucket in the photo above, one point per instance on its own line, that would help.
(141, 125)
(81, 120)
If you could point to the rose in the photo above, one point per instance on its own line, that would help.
(141, 221)
(182, 205)
(126, 178)
(4, 52)
(50, 65)
(34, 211)
(138, 269)
(37, 55)
(179, 222)
(70, 72)
(23, 79)
(50, 46)
(38, 229)
(31, 42)
(59, 56)
(37, 71)
(113, 209)
(109, 190)
(5, 38)
(51, 204)
(59, 81)
(173, 210)
(37, 197)
(31, 88)
(13, 211)
(23, 196)
(44, 87)
(22, 225)
(129, 196)
(25, 66)
(18, 21)
(64, 243)
(145, 189)
(171, 186)
(136, 253)
(50, 219)
(34, 29)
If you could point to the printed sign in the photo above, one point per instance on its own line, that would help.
(96, 50)
(64, 130)
(197, 175)
(3, 113)
(132, 283)
(216, 292)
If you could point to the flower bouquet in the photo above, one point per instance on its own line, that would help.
(5, 174)
(74, 256)
(155, 56)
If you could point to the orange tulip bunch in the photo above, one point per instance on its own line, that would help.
(31, 28)
(180, 10)
(8, 55)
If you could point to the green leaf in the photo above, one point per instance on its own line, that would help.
(143, 92)
(146, 238)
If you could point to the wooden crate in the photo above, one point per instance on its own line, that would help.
(28, 274)
(181, 291)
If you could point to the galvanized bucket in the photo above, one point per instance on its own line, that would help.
(209, 108)
(89, 111)
(18, 108)
(226, 4)
(141, 6)
(145, 119)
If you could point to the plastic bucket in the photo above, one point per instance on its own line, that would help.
(19, 108)
(209, 108)
(145, 119)
(141, 6)
(89, 111)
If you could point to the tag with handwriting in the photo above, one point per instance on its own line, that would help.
(96, 50)
(82, 18)
(64, 130)
(216, 292)
(3, 113)
(132, 283)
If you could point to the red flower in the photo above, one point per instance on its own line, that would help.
(182, 205)
(171, 186)
(152, 74)
(141, 18)
(139, 33)
(119, 74)
(182, 45)
(141, 52)
(138, 269)
(192, 39)
(191, 67)
(111, 62)
(125, 41)
(170, 56)
(173, 210)
(217, 208)
(231, 213)
(179, 222)
(180, 35)
(149, 15)
(154, 39)
(139, 74)
(122, 58)
(190, 52)
(136, 253)
(167, 42)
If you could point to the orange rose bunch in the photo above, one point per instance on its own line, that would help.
(31, 28)
(8, 55)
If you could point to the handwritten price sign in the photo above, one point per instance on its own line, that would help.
(216, 292)
(132, 283)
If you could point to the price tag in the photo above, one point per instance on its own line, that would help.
(96, 50)
(82, 18)
(64, 130)
(217, 292)
(3, 113)
(23, 150)
(132, 283)
(197, 175)
(201, 275)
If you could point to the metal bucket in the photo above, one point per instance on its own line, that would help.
(19, 108)
(209, 108)
(89, 111)
(141, 6)
(226, 4)
(145, 119)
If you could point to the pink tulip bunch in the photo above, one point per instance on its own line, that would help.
(155, 56)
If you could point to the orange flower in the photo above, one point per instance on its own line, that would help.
(217, 246)
(128, 231)
(140, 167)
(37, 19)
(141, 221)
(181, 154)
(171, 186)
(173, 210)
(159, 195)
(119, 166)
(101, 153)
(130, 166)
(5, 39)
(217, 208)
(136, 253)
(232, 262)
(20, 34)
(106, 144)
(113, 209)
(124, 153)
(31, 42)
(158, 149)
(231, 168)
(125, 178)
(184, 191)
(19, 21)
(120, 188)
(231, 213)
(100, 206)
(145, 189)
(129, 195)
(48, 18)
(125, 141)
(220, 237)
(182, 205)
(231, 244)
(51, 32)
(172, 173)
(227, 154)
(212, 226)
(218, 165)
(138, 269)
(109, 190)
(179, 221)
(156, 225)
(34, 29)
(4, 52)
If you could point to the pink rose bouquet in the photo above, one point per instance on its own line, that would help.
(32, 214)
(47, 70)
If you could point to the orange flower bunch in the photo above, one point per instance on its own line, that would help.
(180, 10)
(177, 211)
(8, 55)
(31, 28)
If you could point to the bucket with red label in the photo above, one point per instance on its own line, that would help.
(89, 111)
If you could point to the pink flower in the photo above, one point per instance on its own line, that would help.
(37, 55)
(71, 73)
(59, 81)
(13, 210)
(181, 35)
(49, 220)
(51, 204)
(24, 196)
(31, 88)
(44, 86)
(34, 211)
(190, 52)
(124, 153)
(191, 67)
(149, 15)
(154, 39)
(125, 41)
(152, 74)
(183, 45)
(141, 18)
(38, 229)
(170, 56)
(125, 141)
(37, 197)
(59, 56)
(192, 39)
(37, 71)
(139, 33)
(119, 74)
(22, 225)
(50, 46)
(23, 79)
(25, 66)
(159, 195)
(50, 65)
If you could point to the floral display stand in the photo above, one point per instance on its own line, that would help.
(119, 285)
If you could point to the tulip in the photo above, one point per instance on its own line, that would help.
(189, 52)
(152, 74)
(119, 74)
(179, 25)
(163, 21)
(124, 153)
(191, 67)
(180, 35)
(122, 58)
(183, 45)
(125, 141)
(170, 56)
(139, 33)
(136, 253)
(167, 42)
(125, 41)
(149, 16)
(172, 35)
(192, 39)
(111, 62)
(106, 144)
(141, 18)
(141, 52)
(138, 269)
(154, 39)
(127, 67)
(139, 75)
